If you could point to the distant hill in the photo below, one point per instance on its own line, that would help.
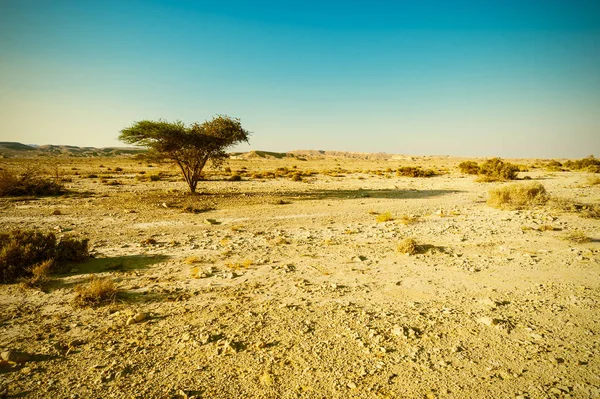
(13, 146)
(13, 149)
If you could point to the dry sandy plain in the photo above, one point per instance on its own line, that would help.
(297, 291)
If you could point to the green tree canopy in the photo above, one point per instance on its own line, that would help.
(188, 147)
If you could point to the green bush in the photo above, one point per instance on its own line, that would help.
(22, 251)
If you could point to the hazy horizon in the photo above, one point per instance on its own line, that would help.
(516, 79)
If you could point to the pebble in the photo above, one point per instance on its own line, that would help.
(139, 317)
(488, 321)
(351, 385)
(15, 356)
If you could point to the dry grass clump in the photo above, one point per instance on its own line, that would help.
(408, 246)
(95, 292)
(414, 171)
(591, 211)
(22, 252)
(517, 196)
(593, 180)
(28, 181)
(246, 263)
(577, 237)
(385, 217)
(407, 219)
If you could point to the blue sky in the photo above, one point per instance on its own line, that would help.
(473, 78)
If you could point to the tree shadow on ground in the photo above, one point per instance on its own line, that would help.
(360, 193)
(124, 264)
(119, 263)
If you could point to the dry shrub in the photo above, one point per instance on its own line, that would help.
(590, 164)
(496, 169)
(593, 181)
(40, 275)
(95, 292)
(591, 211)
(547, 227)
(577, 237)
(385, 217)
(412, 171)
(408, 246)
(28, 181)
(517, 196)
(407, 219)
(469, 167)
(21, 252)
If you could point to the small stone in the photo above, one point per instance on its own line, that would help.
(57, 212)
(488, 321)
(139, 317)
(16, 357)
(351, 385)
(398, 331)
(130, 321)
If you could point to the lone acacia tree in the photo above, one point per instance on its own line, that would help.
(188, 147)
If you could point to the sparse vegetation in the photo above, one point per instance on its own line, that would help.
(469, 167)
(517, 196)
(408, 246)
(385, 217)
(577, 237)
(29, 180)
(589, 164)
(95, 292)
(190, 148)
(22, 252)
(407, 219)
(412, 171)
(496, 169)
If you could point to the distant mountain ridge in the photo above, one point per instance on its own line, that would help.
(11, 149)
(14, 149)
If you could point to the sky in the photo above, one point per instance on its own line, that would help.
(430, 77)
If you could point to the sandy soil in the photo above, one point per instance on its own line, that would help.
(296, 291)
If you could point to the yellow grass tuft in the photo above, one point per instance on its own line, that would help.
(95, 292)
(408, 246)
(577, 237)
(517, 196)
(385, 217)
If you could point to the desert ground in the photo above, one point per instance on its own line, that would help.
(280, 287)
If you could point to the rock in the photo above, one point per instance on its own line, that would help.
(351, 385)
(130, 321)
(139, 317)
(16, 357)
(57, 212)
(488, 321)
(398, 331)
